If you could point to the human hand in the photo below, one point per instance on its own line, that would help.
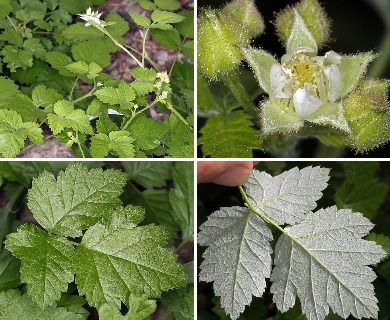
(228, 173)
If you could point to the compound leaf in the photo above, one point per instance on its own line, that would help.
(287, 197)
(76, 200)
(14, 306)
(108, 269)
(325, 262)
(229, 136)
(46, 262)
(238, 257)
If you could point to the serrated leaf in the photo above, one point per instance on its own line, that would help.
(238, 258)
(180, 302)
(9, 271)
(182, 198)
(16, 58)
(142, 88)
(14, 306)
(8, 89)
(171, 5)
(162, 26)
(300, 36)
(74, 304)
(382, 240)
(34, 46)
(120, 142)
(43, 97)
(144, 74)
(140, 19)
(120, 26)
(123, 95)
(78, 198)
(181, 141)
(164, 17)
(14, 132)
(188, 48)
(24, 106)
(108, 268)
(149, 174)
(286, 198)
(5, 8)
(46, 262)
(78, 67)
(186, 27)
(139, 308)
(323, 261)
(78, 31)
(169, 39)
(92, 51)
(66, 116)
(59, 60)
(229, 136)
(130, 216)
(147, 4)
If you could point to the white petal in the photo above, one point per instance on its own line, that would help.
(332, 57)
(333, 77)
(304, 102)
(280, 82)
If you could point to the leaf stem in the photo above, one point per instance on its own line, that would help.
(89, 94)
(155, 66)
(73, 87)
(7, 210)
(176, 58)
(171, 108)
(79, 144)
(135, 114)
(144, 47)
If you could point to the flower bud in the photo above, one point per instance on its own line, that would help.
(219, 42)
(246, 13)
(367, 112)
(314, 17)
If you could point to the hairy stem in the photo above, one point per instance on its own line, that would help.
(171, 108)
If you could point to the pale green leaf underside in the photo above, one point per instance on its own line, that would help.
(287, 197)
(108, 269)
(14, 306)
(76, 200)
(238, 258)
(46, 263)
(324, 262)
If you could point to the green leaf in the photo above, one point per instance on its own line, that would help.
(169, 39)
(261, 63)
(13, 133)
(108, 269)
(362, 190)
(16, 58)
(157, 207)
(149, 174)
(352, 69)
(147, 132)
(24, 106)
(181, 141)
(12, 37)
(5, 8)
(78, 67)
(8, 89)
(120, 216)
(300, 36)
(123, 95)
(180, 302)
(67, 117)
(66, 212)
(182, 198)
(79, 31)
(92, 51)
(120, 142)
(145, 74)
(162, 26)
(170, 5)
(9, 271)
(120, 26)
(43, 97)
(186, 27)
(140, 19)
(139, 308)
(188, 48)
(35, 47)
(74, 304)
(59, 60)
(147, 4)
(46, 262)
(14, 306)
(166, 17)
(229, 136)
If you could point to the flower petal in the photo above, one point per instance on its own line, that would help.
(333, 77)
(280, 82)
(304, 102)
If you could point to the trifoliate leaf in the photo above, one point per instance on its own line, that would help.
(46, 262)
(123, 95)
(149, 174)
(323, 261)
(287, 197)
(66, 116)
(14, 306)
(108, 269)
(120, 142)
(261, 63)
(43, 97)
(170, 5)
(238, 258)
(14, 132)
(180, 302)
(182, 198)
(140, 19)
(92, 51)
(229, 136)
(160, 16)
(352, 68)
(78, 198)
(59, 60)
(139, 308)
(9, 271)
(144, 74)
(8, 89)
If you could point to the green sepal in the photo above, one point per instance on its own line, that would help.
(261, 62)
(276, 117)
(300, 37)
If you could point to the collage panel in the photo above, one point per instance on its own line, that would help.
(293, 240)
(97, 240)
(97, 79)
(295, 79)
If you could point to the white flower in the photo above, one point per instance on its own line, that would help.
(92, 18)
(305, 102)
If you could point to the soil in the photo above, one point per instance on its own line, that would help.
(121, 63)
